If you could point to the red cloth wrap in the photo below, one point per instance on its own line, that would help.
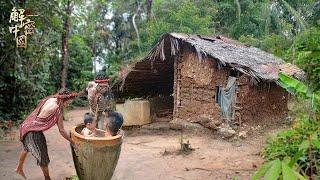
(101, 80)
(34, 123)
(66, 97)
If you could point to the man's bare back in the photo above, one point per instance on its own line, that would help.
(49, 107)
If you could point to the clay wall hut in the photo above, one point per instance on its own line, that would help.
(215, 77)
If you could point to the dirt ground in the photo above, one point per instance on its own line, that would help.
(147, 154)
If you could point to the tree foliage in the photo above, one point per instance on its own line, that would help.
(307, 55)
(24, 73)
(176, 17)
(113, 33)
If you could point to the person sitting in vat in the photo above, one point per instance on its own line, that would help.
(89, 130)
(114, 123)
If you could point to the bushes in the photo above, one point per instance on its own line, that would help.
(286, 143)
(301, 141)
(296, 149)
(307, 54)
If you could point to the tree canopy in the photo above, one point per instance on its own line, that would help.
(113, 33)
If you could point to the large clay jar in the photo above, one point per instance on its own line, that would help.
(96, 157)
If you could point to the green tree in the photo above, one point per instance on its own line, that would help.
(306, 53)
(23, 72)
(184, 16)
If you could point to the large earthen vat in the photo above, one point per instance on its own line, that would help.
(96, 157)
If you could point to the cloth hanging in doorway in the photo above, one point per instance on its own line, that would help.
(227, 99)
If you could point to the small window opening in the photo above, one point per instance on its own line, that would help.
(234, 73)
(218, 95)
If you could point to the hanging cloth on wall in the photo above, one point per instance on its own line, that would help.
(227, 99)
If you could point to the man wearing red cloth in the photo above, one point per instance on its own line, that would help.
(48, 113)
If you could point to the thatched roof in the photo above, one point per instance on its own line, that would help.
(246, 59)
(258, 64)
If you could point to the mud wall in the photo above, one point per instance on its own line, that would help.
(262, 102)
(195, 87)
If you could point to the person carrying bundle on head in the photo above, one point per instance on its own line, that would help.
(100, 99)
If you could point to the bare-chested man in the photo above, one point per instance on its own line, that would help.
(48, 113)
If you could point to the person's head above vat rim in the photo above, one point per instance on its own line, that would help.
(114, 124)
(88, 121)
(89, 130)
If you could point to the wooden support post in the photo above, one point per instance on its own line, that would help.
(175, 67)
(176, 85)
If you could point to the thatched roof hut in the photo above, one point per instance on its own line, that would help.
(179, 62)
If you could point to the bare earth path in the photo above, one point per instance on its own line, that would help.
(143, 157)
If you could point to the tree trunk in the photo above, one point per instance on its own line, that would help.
(299, 19)
(65, 44)
(135, 25)
(149, 7)
(137, 31)
(238, 9)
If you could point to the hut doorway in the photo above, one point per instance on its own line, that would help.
(153, 81)
(162, 99)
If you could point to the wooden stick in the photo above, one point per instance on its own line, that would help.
(96, 116)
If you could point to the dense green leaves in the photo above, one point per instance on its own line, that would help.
(307, 55)
(302, 141)
(274, 171)
(297, 87)
(262, 170)
(277, 169)
(24, 72)
(27, 75)
(184, 17)
(293, 85)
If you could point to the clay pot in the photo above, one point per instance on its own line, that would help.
(96, 157)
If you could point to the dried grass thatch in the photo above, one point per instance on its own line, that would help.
(249, 60)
